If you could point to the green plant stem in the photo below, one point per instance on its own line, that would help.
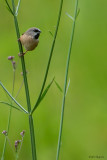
(16, 156)
(19, 89)
(9, 118)
(31, 126)
(4, 147)
(13, 81)
(20, 146)
(50, 57)
(8, 6)
(65, 84)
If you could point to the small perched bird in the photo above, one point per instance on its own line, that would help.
(30, 39)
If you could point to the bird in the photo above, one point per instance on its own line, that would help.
(29, 39)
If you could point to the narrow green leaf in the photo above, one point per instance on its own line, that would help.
(8, 7)
(58, 86)
(43, 95)
(70, 16)
(13, 98)
(46, 90)
(10, 105)
(17, 8)
(51, 33)
(78, 12)
(51, 54)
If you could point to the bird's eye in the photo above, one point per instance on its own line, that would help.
(35, 30)
(36, 36)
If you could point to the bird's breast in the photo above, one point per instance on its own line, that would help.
(28, 42)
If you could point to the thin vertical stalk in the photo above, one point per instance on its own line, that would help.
(65, 84)
(50, 56)
(31, 126)
(19, 89)
(13, 81)
(8, 127)
(9, 118)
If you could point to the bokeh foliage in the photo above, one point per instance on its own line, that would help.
(85, 119)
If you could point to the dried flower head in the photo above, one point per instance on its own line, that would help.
(10, 57)
(16, 144)
(4, 132)
(22, 133)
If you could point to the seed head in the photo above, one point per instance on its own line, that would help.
(22, 133)
(4, 132)
(10, 57)
(16, 144)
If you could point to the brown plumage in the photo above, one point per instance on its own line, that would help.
(30, 39)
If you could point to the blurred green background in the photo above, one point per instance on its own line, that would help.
(85, 118)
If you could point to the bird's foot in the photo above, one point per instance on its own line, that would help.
(21, 54)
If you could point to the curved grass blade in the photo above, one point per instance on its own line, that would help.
(9, 8)
(58, 86)
(51, 33)
(50, 56)
(44, 94)
(78, 13)
(46, 90)
(13, 98)
(10, 105)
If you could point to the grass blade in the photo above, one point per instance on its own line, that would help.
(78, 13)
(58, 86)
(10, 105)
(51, 33)
(45, 92)
(50, 56)
(13, 98)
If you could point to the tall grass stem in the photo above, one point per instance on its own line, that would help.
(31, 125)
(65, 84)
